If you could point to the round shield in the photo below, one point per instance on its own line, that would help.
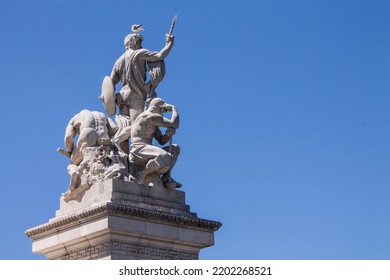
(108, 96)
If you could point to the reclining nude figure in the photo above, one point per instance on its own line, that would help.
(147, 160)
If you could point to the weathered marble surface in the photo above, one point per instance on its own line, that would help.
(127, 194)
(102, 150)
(124, 220)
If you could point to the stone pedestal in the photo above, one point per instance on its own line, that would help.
(123, 220)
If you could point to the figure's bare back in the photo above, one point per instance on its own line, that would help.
(145, 127)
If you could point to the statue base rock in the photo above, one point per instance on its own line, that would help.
(121, 220)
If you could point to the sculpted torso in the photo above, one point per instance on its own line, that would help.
(91, 120)
(145, 128)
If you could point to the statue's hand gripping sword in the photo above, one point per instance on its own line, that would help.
(172, 26)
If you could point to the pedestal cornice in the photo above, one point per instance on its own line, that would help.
(117, 209)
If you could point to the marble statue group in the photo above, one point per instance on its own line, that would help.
(124, 149)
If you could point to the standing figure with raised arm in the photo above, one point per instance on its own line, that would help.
(131, 69)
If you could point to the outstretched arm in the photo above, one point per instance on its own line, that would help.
(158, 56)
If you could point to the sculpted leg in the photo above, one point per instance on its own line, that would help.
(120, 137)
(123, 136)
(159, 165)
(136, 107)
(168, 181)
(74, 176)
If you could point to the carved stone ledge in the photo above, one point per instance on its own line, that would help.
(113, 208)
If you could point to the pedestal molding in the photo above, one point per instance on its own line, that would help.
(113, 208)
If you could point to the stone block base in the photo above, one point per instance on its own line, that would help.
(129, 222)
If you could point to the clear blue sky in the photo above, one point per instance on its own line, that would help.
(284, 116)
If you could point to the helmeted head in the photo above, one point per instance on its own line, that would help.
(133, 41)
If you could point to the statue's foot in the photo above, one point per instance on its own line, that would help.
(172, 184)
